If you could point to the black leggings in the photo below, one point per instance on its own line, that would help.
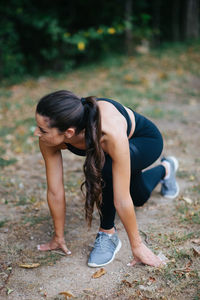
(145, 145)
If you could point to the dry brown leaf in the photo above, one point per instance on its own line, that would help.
(126, 283)
(152, 279)
(196, 241)
(99, 273)
(187, 200)
(29, 266)
(163, 75)
(67, 294)
(196, 251)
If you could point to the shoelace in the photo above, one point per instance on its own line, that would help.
(103, 242)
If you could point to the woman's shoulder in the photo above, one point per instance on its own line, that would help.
(112, 124)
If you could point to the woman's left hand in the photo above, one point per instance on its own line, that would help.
(144, 255)
(55, 243)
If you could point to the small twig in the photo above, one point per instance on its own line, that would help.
(146, 237)
(59, 252)
(182, 270)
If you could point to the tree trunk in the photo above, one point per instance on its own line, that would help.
(156, 21)
(176, 20)
(192, 19)
(128, 29)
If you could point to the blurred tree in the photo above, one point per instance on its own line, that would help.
(192, 19)
(156, 19)
(128, 27)
(57, 35)
(176, 19)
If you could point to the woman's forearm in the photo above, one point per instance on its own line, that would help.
(57, 208)
(126, 212)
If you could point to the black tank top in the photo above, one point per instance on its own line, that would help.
(121, 109)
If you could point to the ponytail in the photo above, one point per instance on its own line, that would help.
(94, 157)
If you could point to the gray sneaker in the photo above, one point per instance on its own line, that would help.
(170, 188)
(105, 248)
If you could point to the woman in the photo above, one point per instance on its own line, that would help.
(118, 143)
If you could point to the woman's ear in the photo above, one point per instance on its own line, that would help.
(69, 133)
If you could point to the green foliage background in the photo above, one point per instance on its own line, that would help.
(46, 35)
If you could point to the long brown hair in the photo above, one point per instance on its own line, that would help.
(65, 110)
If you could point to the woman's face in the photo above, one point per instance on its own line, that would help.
(50, 136)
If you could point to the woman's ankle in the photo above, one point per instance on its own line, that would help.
(108, 231)
(166, 165)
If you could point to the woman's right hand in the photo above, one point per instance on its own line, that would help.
(55, 243)
(144, 255)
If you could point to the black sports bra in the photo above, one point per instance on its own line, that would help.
(121, 109)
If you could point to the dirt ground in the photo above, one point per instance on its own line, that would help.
(167, 226)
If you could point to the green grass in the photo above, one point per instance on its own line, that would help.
(33, 220)
(48, 258)
(182, 174)
(27, 122)
(196, 188)
(22, 201)
(188, 214)
(2, 223)
(6, 130)
(5, 93)
(4, 162)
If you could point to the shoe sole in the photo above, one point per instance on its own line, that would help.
(175, 195)
(176, 165)
(93, 265)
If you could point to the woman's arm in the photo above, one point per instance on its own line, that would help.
(118, 148)
(55, 195)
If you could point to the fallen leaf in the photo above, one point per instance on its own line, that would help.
(9, 291)
(29, 266)
(187, 200)
(152, 279)
(99, 273)
(67, 294)
(126, 283)
(163, 75)
(138, 293)
(196, 241)
(196, 251)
